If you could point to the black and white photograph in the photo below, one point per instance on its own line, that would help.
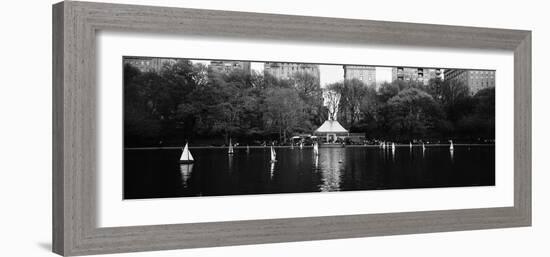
(197, 127)
(172, 128)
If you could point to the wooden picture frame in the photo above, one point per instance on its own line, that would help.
(74, 130)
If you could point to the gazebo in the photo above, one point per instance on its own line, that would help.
(331, 130)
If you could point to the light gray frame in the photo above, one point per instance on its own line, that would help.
(74, 126)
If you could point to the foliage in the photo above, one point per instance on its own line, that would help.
(285, 112)
(414, 113)
(184, 102)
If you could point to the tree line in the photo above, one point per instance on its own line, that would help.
(187, 102)
(406, 111)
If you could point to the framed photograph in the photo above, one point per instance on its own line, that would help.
(183, 128)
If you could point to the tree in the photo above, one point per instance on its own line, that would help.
(332, 97)
(284, 112)
(310, 92)
(485, 111)
(179, 81)
(387, 91)
(350, 94)
(414, 113)
(435, 88)
(406, 84)
(219, 106)
(368, 108)
(457, 103)
(141, 125)
(186, 102)
(480, 122)
(452, 92)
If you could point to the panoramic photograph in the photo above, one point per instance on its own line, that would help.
(197, 127)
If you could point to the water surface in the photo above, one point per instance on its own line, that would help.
(156, 173)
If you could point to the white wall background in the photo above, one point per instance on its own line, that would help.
(25, 131)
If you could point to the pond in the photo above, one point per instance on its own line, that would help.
(157, 173)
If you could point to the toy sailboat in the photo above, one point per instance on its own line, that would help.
(273, 155)
(186, 156)
(230, 151)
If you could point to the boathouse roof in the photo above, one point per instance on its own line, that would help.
(331, 126)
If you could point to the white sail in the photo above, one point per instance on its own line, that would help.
(301, 145)
(452, 146)
(273, 155)
(186, 155)
(230, 151)
(423, 147)
(393, 146)
(410, 145)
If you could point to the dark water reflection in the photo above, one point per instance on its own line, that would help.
(157, 173)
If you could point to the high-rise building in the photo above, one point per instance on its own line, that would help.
(366, 74)
(221, 67)
(474, 79)
(148, 64)
(283, 70)
(416, 74)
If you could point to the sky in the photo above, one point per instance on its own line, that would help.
(329, 73)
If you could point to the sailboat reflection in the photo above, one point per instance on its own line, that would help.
(230, 162)
(452, 150)
(272, 170)
(272, 160)
(331, 162)
(186, 170)
(316, 162)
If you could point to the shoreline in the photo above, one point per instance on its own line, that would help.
(295, 147)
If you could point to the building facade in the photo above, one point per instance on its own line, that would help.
(282, 70)
(422, 75)
(366, 74)
(226, 67)
(474, 79)
(148, 64)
